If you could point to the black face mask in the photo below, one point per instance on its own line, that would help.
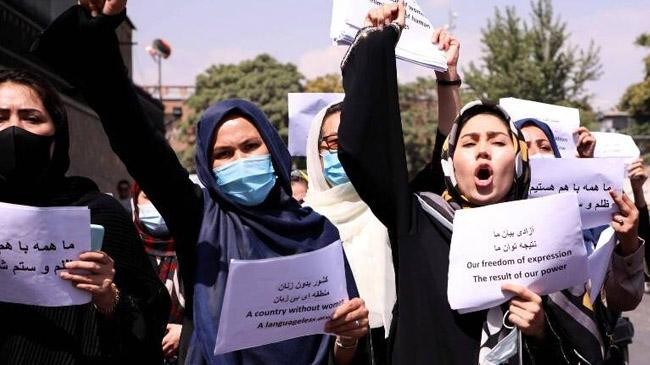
(24, 157)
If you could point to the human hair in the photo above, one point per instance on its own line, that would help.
(45, 91)
(336, 108)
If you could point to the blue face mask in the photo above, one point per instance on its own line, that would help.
(152, 220)
(333, 170)
(247, 181)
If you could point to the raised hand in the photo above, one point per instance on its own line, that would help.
(586, 143)
(106, 7)
(451, 47)
(626, 223)
(383, 15)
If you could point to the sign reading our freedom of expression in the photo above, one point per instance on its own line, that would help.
(535, 243)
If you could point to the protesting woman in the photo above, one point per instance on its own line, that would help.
(246, 210)
(592, 328)
(125, 320)
(485, 162)
(161, 249)
(365, 239)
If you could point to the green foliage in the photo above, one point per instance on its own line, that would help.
(419, 112)
(330, 83)
(533, 60)
(262, 80)
(636, 99)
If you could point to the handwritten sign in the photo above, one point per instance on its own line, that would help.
(535, 243)
(599, 261)
(277, 299)
(591, 178)
(615, 145)
(415, 41)
(35, 244)
(562, 120)
(303, 108)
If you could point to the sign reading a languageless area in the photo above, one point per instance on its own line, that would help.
(535, 243)
(273, 300)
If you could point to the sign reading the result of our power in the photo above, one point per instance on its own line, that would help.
(535, 243)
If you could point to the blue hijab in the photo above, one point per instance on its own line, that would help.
(277, 227)
(545, 128)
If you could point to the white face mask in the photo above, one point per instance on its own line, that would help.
(152, 220)
(540, 156)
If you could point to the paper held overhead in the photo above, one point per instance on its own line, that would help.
(415, 42)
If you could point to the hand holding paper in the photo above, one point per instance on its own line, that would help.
(626, 223)
(98, 277)
(385, 14)
(526, 310)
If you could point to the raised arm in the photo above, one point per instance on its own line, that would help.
(371, 145)
(85, 50)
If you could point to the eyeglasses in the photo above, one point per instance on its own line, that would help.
(329, 142)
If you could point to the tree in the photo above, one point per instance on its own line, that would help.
(636, 99)
(330, 83)
(533, 61)
(419, 112)
(262, 80)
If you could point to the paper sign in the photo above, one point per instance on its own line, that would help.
(590, 178)
(599, 261)
(562, 120)
(415, 41)
(273, 300)
(303, 107)
(615, 145)
(535, 243)
(35, 244)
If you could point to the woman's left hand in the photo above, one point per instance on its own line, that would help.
(526, 311)
(451, 47)
(99, 277)
(350, 320)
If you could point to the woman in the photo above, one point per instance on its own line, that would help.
(365, 239)
(484, 162)
(246, 210)
(161, 249)
(125, 319)
(590, 328)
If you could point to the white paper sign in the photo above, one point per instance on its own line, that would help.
(35, 244)
(535, 243)
(415, 41)
(599, 261)
(615, 145)
(562, 120)
(303, 107)
(273, 300)
(590, 178)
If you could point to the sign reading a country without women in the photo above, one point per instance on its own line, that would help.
(535, 243)
(273, 300)
(35, 244)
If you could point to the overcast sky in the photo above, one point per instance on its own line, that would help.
(205, 32)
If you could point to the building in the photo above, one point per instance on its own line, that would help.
(21, 21)
(174, 99)
(614, 121)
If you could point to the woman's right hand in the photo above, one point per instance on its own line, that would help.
(384, 15)
(106, 7)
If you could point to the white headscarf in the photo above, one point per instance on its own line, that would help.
(365, 239)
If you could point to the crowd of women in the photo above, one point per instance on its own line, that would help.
(158, 282)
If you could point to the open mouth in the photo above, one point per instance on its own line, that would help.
(483, 176)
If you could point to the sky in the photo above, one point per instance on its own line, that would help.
(206, 32)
